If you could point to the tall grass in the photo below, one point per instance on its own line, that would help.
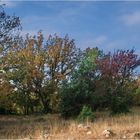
(53, 127)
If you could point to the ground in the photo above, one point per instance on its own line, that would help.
(53, 127)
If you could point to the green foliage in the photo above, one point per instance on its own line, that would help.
(73, 98)
(119, 105)
(86, 114)
(4, 107)
(136, 97)
(67, 106)
(79, 91)
(6, 104)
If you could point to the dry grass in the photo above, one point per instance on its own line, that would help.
(53, 127)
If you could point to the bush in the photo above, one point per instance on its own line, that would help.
(136, 97)
(67, 106)
(120, 103)
(72, 99)
(6, 104)
(86, 114)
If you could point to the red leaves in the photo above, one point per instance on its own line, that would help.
(119, 65)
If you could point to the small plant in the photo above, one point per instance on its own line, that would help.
(86, 114)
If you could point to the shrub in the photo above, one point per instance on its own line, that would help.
(136, 97)
(72, 99)
(86, 114)
(67, 106)
(120, 103)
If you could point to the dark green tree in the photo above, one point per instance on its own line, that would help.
(79, 90)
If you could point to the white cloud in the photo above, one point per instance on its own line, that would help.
(100, 40)
(51, 23)
(64, 15)
(131, 19)
(33, 24)
(93, 41)
(103, 42)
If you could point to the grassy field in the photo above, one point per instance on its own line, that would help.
(53, 127)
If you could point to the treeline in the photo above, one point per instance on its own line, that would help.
(52, 75)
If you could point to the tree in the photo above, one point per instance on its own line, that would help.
(25, 67)
(80, 89)
(62, 56)
(9, 26)
(37, 68)
(6, 103)
(117, 72)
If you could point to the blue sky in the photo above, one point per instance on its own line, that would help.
(108, 25)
